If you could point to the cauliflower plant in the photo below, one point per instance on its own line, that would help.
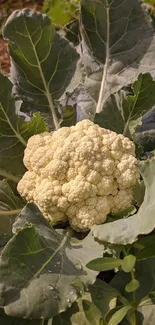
(80, 174)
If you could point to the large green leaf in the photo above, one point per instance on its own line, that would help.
(39, 267)
(118, 44)
(103, 295)
(14, 133)
(146, 315)
(7, 320)
(100, 294)
(10, 206)
(143, 270)
(126, 231)
(72, 316)
(43, 62)
(122, 113)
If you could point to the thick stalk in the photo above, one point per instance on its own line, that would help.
(65, 239)
(18, 135)
(9, 176)
(134, 299)
(9, 212)
(103, 82)
(42, 321)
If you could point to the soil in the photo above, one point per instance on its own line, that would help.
(6, 8)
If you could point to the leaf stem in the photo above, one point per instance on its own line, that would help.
(134, 292)
(9, 212)
(65, 239)
(42, 321)
(47, 92)
(18, 135)
(103, 82)
(9, 176)
(134, 298)
(134, 301)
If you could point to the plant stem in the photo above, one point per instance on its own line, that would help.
(18, 135)
(103, 82)
(134, 299)
(42, 322)
(9, 176)
(65, 239)
(9, 212)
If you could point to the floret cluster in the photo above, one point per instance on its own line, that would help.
(80, 174)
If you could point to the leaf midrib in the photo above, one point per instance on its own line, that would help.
(47, 91)
(18, 135)
(129, 117)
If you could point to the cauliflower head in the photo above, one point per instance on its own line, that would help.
(80, 174)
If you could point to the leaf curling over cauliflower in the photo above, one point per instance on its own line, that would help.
(80, 174)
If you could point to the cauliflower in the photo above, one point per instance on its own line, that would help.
(80, 174)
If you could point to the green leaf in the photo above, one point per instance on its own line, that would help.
(104, 263)
(128, 263)
(39, 266)
(143, 242)
(125, 213)
(43, 62)
(102, 294)
(145, 295)
(126, 231)
(92, 313)
(99, 294)
(146, 315)
(132, 286)
(118, 44)
(119, 315)
(10, 207)
(72, 316)
(147, 252)
(144, 273)
(14, 133)
(60, 11)
(122, 113)
(7, 320)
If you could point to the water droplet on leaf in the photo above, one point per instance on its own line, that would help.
(78, 266)
(69, 302)
(22, 264)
